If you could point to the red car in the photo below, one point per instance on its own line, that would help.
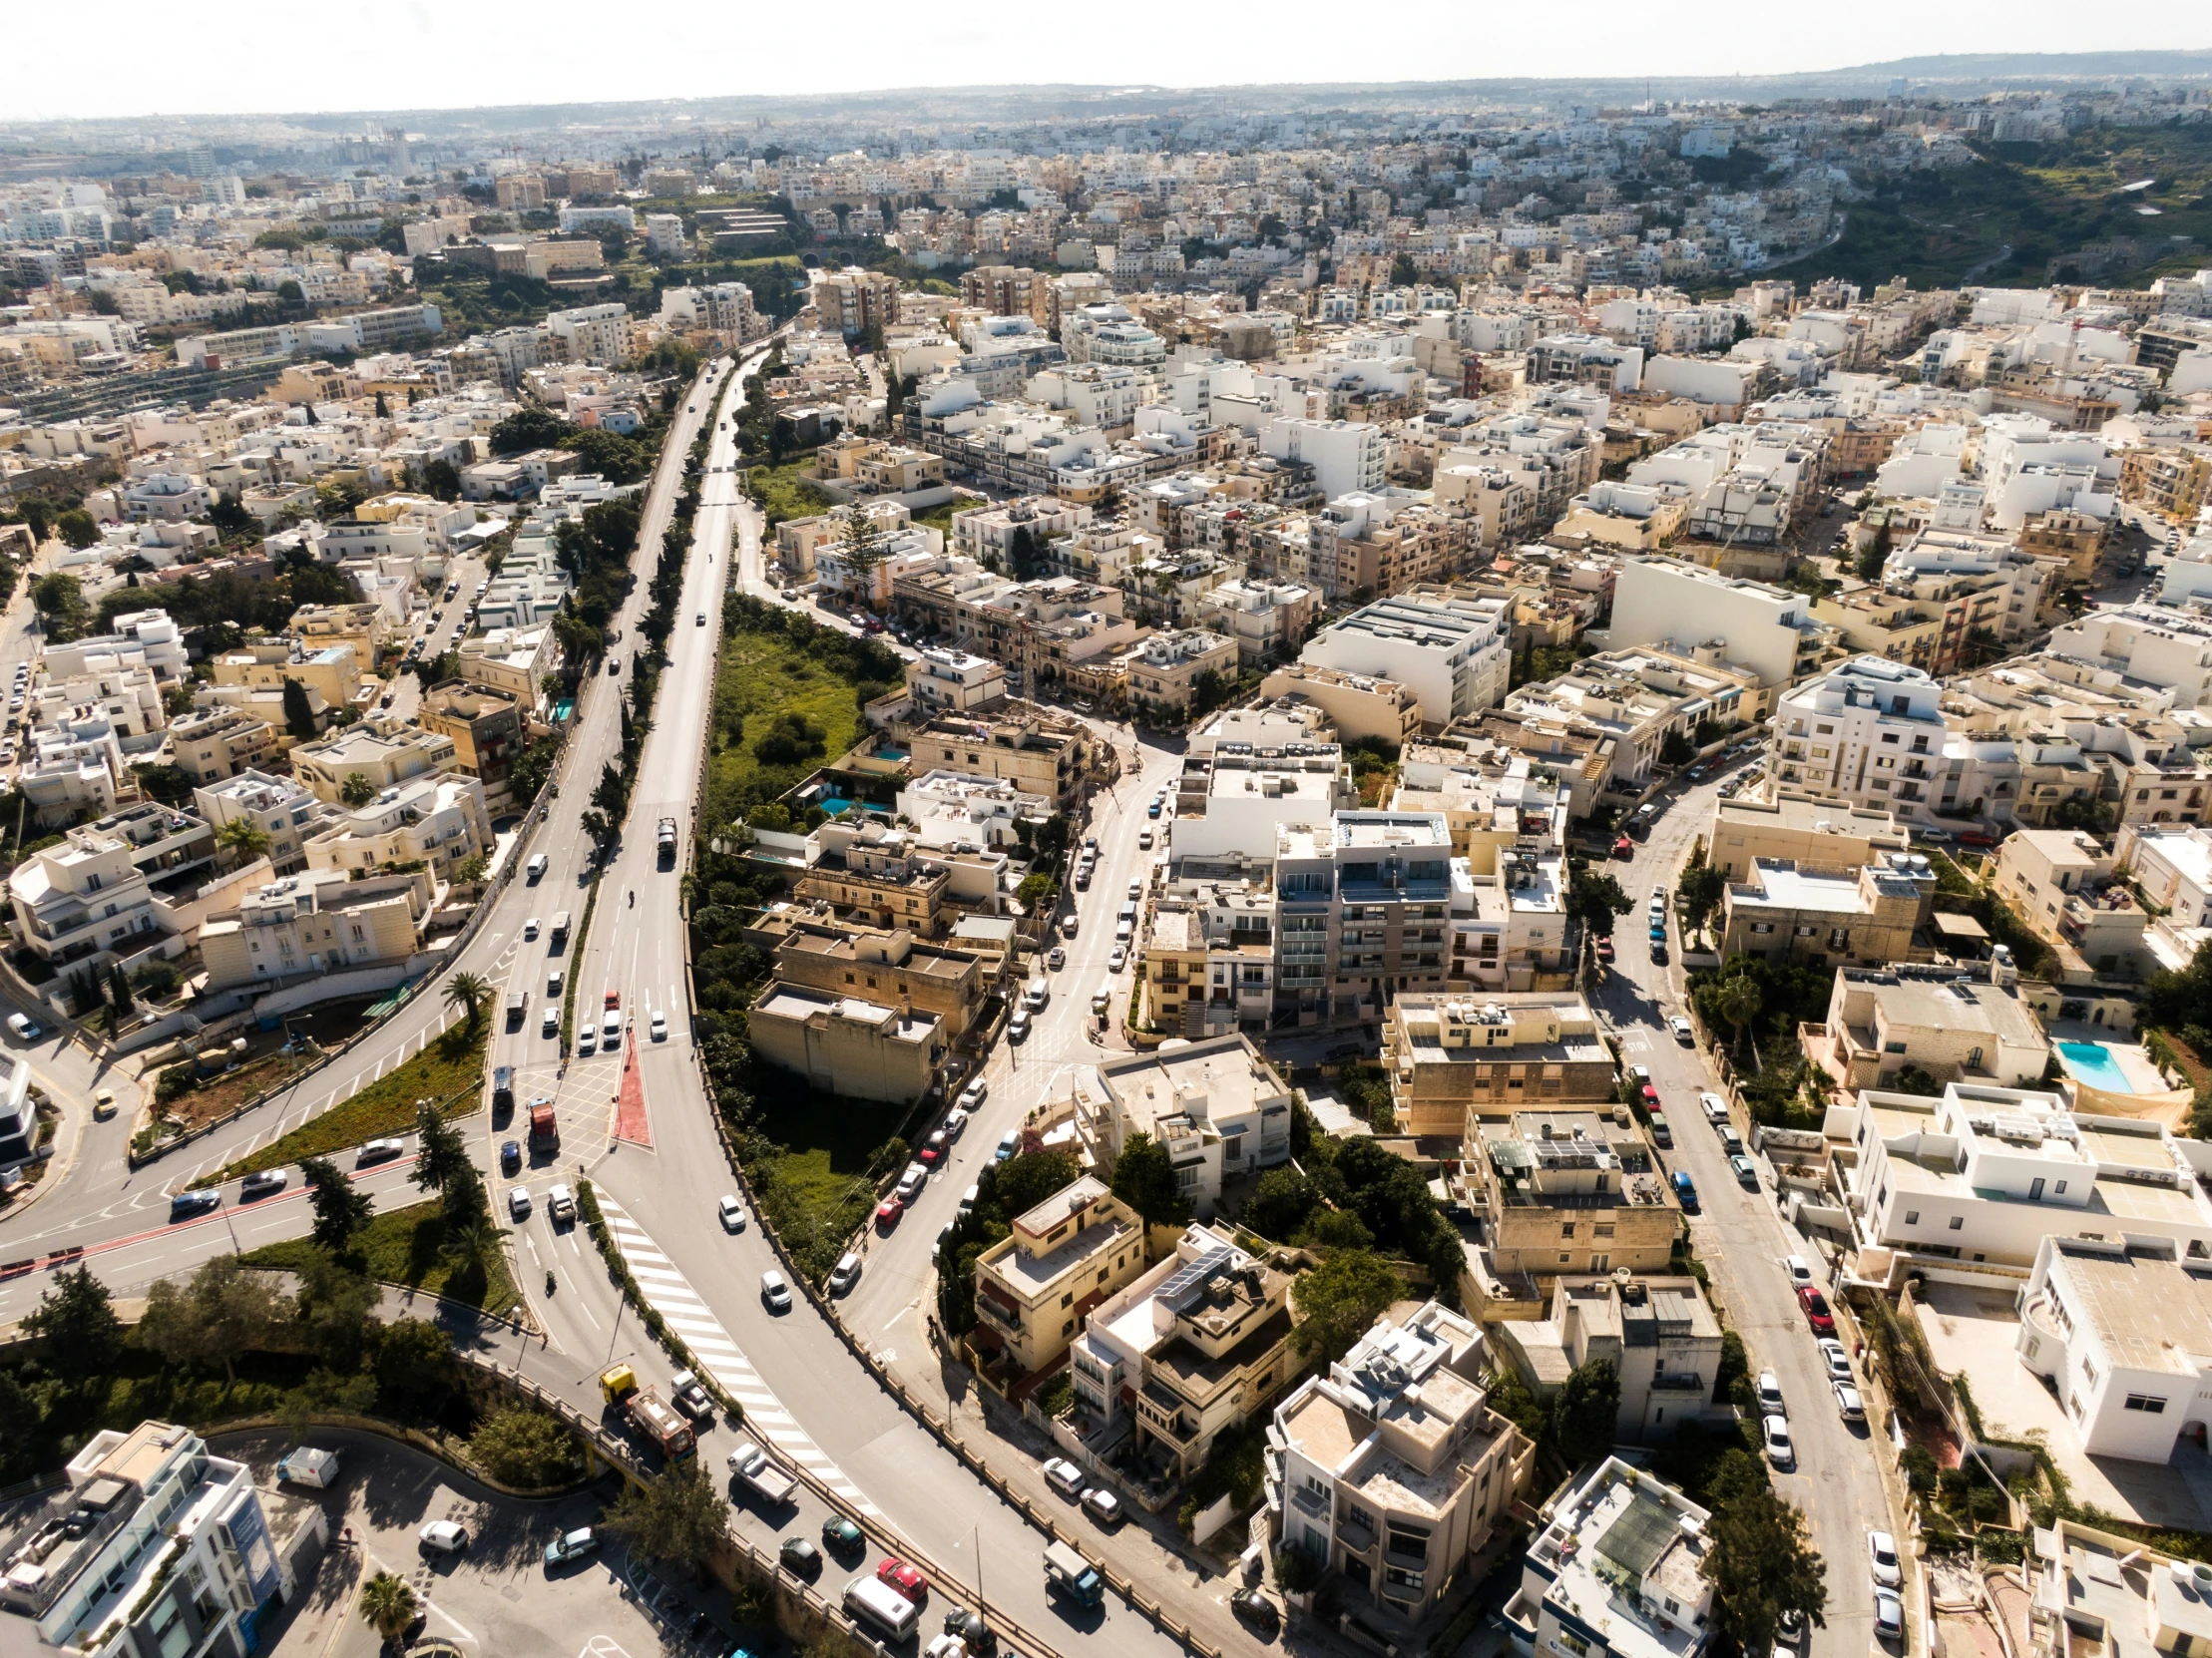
(888, 1213)
(1816, 1310)
(1625, 848)
(1604, 950)
(904, 1578)
(1651, 1096)
(933, 1152)
(614, 999)
(1976, 837)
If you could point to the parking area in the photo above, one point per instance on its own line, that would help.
(495, 1596)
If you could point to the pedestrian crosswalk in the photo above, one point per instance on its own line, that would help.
(685, 1311)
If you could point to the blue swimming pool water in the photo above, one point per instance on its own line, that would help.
(2092, 1064)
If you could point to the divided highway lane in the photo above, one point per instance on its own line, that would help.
(1742, 1240)
(100, 1196)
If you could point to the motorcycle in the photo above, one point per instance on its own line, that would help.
(632, 898)
(548, 1280)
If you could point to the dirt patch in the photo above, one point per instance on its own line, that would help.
(220, 1095)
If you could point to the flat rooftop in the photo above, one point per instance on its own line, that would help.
(2151, 1314)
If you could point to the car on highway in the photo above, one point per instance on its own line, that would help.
(731, 1213)
(1849, 1405)
(1065, 1478)
(1745, 1171)
(908, 1580)
(572, 1545)
(510, 1156)
(775, 1292)
(889, 1211)
(442, 1537)
(1881, 1559)
(841, 1536)
(800, 1558)
(700, 621)
(1832, 1355)
(587, 1040)
(1774, 1433)
(1067, 925)
(1681, 1028)
(530, 928)
(1816, 1310)
(1888, 1615)
(1055, 958)
(185, 1205)
(378, 1151)
(518, 1204)
(659, 1025)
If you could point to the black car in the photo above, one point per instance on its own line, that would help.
(1257, 1610)
(185, 1205)
(800, 1558)
(510, 1157)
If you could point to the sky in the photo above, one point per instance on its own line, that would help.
(195, 57)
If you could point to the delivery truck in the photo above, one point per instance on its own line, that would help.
(545, 1133)
(667, 841)
(881, 1607)
(1069, 1573)
(310, 1467)
(648, 1413)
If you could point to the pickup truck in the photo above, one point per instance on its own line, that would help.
(691, 1395)
(666, 840)
(762, 1476)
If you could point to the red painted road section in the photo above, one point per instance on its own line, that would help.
(631, 1121)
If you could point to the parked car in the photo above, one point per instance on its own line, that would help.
(1715, 1107)
(974, 1095)
(1832, 1355)
(1681, 1028)
(442, 1537)
(888, 1213)
(1796, 1267)
(1816, 1310)
(1257, 1610)
(934, 1149)
(1882, 1559)
(1118, 958)
(1769, 1392)
(518, 1204)
(1775, 1431)
(1849, 1405)
(1055, 958)
(1888, 1615)
(572, 1545)
(1065, 1478)
(956, 1123)
(908, 1580)
(800, 1558)
(1009, 1143)
(1745, 1171)
(845, 1274)
(25, 1028)
(1103, 1506)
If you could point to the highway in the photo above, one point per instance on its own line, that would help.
(1742, 1239)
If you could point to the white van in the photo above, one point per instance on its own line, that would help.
(611, 1028)
(309, 1465)
(872, 1602)
(1102, 999)
(536, 867)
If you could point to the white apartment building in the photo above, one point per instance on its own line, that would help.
(1346, 457)
(1984, 1175)
(1706, 618)
(592, 334)
(940, 679)
(382, 756)
(1236, 795)
(319, 921)
(2122, 1333)
(1869, 732)
(1215, 1107)
(439, 819)
(2173, 866)
(1451, 650)
(1616, 1572)
(664, 237)
(83, 904)
(142, 638)
(282, 809)
(2147, 644)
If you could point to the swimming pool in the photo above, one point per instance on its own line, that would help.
(2090, 1062)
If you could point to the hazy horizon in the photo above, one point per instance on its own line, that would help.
(422, 56)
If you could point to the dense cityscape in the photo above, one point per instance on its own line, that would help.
(857, 874)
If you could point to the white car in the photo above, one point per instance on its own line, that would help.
(659, 1025)
(1888, 1615)
(1775, 1430)
(1832, 1355)
(1118, 958)
(587, 1040)
(1681, 1028)
(956, 1123)
(1769, 1390)
(775, 1292)
(25, 1029)
(732, 1213)
(1849, 1405)
(1064, 1477)
(1799, 1270)
(1716, 1109)
(442, 1537)
(1136, 891)
(1055, 958)
(1881, 1557)
(974, 1095)
(518, 1204)
(530, 928)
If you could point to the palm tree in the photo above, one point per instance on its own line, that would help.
(356, 791)
(469, 1246)
(244, 839)
(1739, 1002)
(468, 992)
(389, 1605)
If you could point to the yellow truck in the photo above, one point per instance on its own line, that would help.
(649, 1414)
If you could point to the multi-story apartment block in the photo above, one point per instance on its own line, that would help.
(592, 334)
(157, 1545)
(1799, 828)
(946, 681)
(1620, 1537)
(315, 923)
(2059, 882)
(1452, 651)
(846, 1044)
(1195, 1347)
(438, 820)
(1163, 675)
(1267, 621)
(879, 965)
(1214, 1106)
(1986, 1174)
(285, 812)
(853, 300)
(1771, 632)
(486, 728)
(2168, 649)
(1391, 1471)
(2173, 866)
(879, 876)
(83, 904)
(1867, 734)
(1357, 706)
(210, 744)
(1955, 1028)
(1036, 750)
(1659, 1335)
(1564, 1192)
(382, 756)
(1807, 913)
(1035, 1286)
(1453, 1058)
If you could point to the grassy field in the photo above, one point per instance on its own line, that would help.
(2023, 206)
(816, 1186)
(451, 1064)
(402, 1247)
(763, 677)
(788, 490)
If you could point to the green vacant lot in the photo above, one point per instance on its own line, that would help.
(764, 678)
(788, 490)
(453, 1065)
(403, 1247)
(2021, 207)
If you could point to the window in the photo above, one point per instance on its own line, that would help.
(1958, 1222)
(1912, 1217)
(1574, 1643)
(2149, 1403)
(1567, 1230)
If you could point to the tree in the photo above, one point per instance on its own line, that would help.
(1914, 1079)
(225, 1310)
(244, 839)
(1699, 893)
(1340, 1300)
(76, 1320)
(468, 992)
(1404, 273)
(528, 1448)
(1677, 750)
(119, 992)
(60, 601)
(442, 1155)
(469, 1246)
(527, 429)
(442, 480)
(1144, 1179)
(1027, 1180)
(1280, 1203)
(677, 1517)
(1875, 554)
(1022, 555)
(1585, 1411)
(1739, 1002)
(340, 1207)
(1596, 898)
(77, 527)
(389, 1605)
(1761, 1566)
(411, 1358)
(860, 549)
(356, 791)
